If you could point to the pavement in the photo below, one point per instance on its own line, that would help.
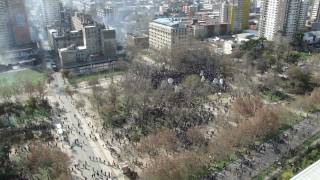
(268, 153)
(91, 158)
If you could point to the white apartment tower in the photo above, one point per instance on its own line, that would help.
(270, 18)
(224, 12)
(282, 16)
(315, 13)
(51, 10)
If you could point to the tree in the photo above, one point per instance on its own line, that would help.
(97, 97)
(183, 166)
(247, 106)
(164, 139)
(253, 48)
(113, 95)
(47, 161)
(191, 85)
(266, 121)
(40, 91)
(6, 92)
(293, 57)
(196, 137)
(300, 80)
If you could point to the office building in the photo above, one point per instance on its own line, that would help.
(169, 33)
(88, 43)
(315, 11)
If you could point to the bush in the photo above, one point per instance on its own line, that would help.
(164, 139)
(247, 105)
(300, 80)
(184, 166)
(196, 137)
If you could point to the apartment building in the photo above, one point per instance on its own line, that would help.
(285, 17)
(169, 33)
(315, 11)
(295, 17)
(51, 10)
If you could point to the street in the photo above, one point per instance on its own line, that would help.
(90, 155)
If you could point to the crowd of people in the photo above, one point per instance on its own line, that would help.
(81, 139)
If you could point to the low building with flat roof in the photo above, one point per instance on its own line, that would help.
(138, 41)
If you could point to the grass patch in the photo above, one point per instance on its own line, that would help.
(275, 96)
(23, 75)
(304, 56)
(76, 79)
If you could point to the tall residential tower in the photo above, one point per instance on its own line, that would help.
(286, 17)
(51, 10)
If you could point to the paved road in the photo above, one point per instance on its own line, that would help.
(268, 153)
(90, 155)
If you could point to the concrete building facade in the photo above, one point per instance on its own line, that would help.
(315, 11)
(295, 17)
(90, 42)
(170, 34)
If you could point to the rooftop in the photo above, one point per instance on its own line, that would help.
(313, 33)
(172, 22)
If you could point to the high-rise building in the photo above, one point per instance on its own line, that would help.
(4, 25)
(224, 12)
(296, 16)
(282, 16)
(51, 11)
(271, 18)
(315, 13)
(236, 12)
(19, 22)
(244, 12)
